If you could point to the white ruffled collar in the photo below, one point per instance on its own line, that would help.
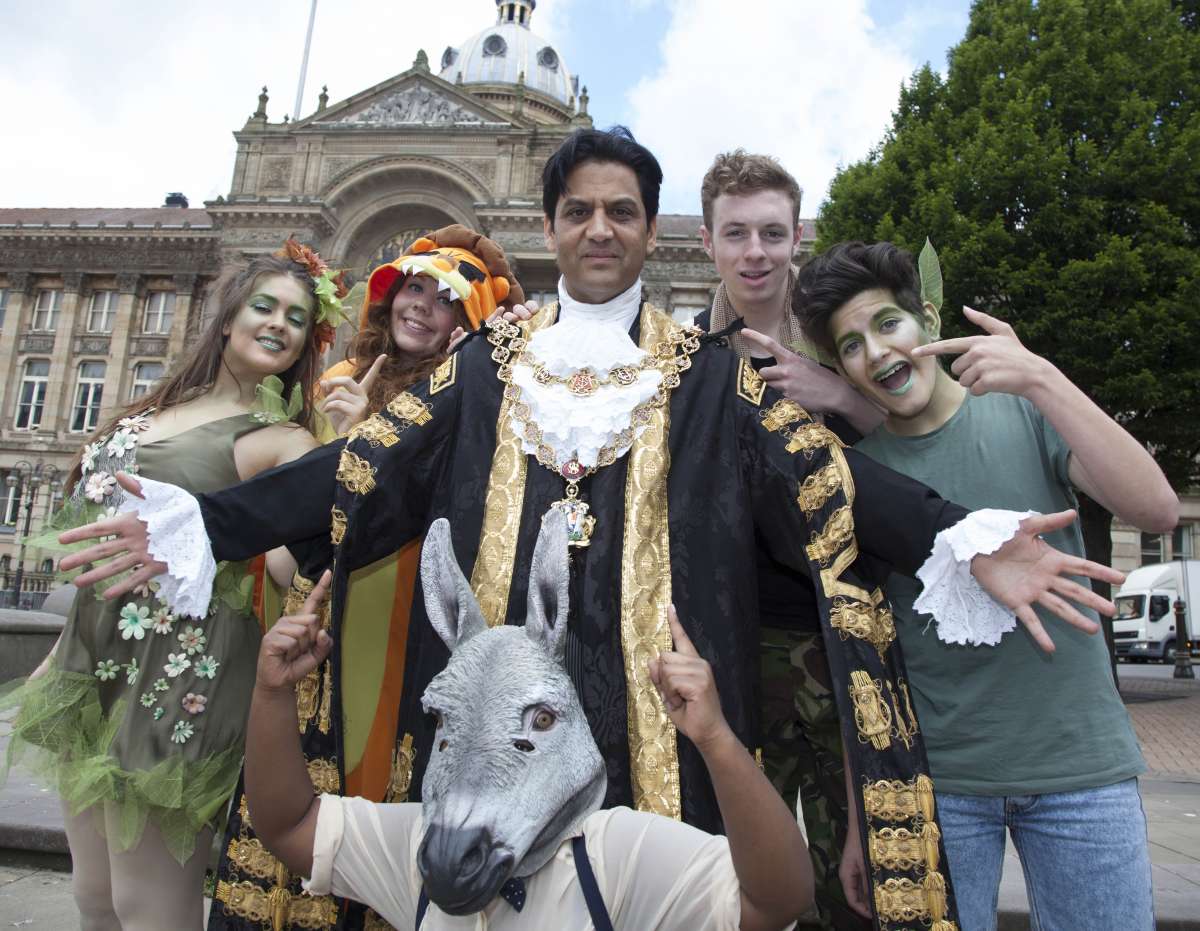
(622, 309)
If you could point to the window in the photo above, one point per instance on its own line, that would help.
(145, 374)
(12, 503)
(32, 397)
(160, 312)
(102, 312)
(45, 311)
(85, 415)
(1181, 542)
(3, 304)
(1154, 545)
(47, 565)
(5, 562)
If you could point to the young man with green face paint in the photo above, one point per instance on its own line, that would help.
(1038, 744)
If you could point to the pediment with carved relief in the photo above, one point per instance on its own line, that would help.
(413, 103)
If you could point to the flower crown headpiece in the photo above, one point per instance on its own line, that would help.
(329, 289)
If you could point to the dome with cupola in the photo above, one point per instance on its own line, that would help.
(510, 53)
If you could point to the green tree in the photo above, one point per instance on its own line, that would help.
(1057, 170)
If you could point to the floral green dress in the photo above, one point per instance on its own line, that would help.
(142, 711)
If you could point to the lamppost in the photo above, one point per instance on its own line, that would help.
(1183, 643)
(28, 478)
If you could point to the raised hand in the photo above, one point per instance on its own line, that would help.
(125, 544)
(346, 400)
(996, 361)
(685, 682)
(1026, 571)
(797, 377)
(297, 644)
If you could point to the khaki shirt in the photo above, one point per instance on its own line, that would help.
(653, 873)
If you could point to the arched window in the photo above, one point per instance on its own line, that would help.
(47, 565)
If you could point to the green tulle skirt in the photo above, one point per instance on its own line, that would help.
(63, 735)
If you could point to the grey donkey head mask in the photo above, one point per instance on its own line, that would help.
(514, 769)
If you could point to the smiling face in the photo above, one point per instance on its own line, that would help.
(422, 317)
(267, 334)
(874, 338)
(752, 240)
(599, 233)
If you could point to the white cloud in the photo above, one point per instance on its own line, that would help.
(811, 82)
(113, 104)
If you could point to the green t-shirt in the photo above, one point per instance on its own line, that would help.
(1006, 719)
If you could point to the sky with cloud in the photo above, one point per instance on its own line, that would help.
(113, 104)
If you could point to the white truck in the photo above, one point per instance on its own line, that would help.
(1144, 625)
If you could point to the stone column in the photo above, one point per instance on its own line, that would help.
(185, 285)
(20, 287)
(116, 377)
(62, 378)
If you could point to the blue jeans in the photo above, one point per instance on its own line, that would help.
(1085, 856)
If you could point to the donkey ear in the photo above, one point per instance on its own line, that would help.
(449, 601)
(549, 583)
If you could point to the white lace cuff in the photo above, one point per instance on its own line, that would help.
(964, 612)
(177, 537)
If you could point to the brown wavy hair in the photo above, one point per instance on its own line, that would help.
(195, 373)
(374, 339)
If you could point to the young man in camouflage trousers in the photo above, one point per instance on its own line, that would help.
(751, 229)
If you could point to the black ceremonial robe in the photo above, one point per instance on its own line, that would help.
(675, 523)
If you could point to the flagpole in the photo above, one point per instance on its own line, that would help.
(312, 16)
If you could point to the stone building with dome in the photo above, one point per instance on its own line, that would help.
(95, 304)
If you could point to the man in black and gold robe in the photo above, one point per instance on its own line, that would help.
(665, 503)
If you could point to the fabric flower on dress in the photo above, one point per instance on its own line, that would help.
(192, 639)
(134, 621)
(106, 670)
(163, 620)
(99, 486)
(161, 685)
(182, 732)
(87, 460)
(131, 671)
(176, 663)
(148, 699)
(147, 588)
(121, 443)
(193, 703)
(159, 712)
(206, 667)
(138, 423)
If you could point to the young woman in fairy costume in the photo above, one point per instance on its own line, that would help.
(139, 718)
(449, 281)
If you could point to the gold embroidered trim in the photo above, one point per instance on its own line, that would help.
(244, 812)
(278, 908)
(444, 375)
(355, 473)
(782, 414)
(872, 716)
(307, 691)
(400, 779)
(904, 900)
(906, 727)
(896, 800)
(325, 716)
(817, 488)
(750, 386)
(831, 581)
(324, 776)
(837, 532)
(491, 577)
(409, 407)
(872, 622)
(252, 857)
(902, 849)
(645, 595)
(811, 436)
(337, 525)
(376, 430)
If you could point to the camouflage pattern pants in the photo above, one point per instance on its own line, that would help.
(802, 754)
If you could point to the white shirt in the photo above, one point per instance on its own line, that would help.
(653, 873)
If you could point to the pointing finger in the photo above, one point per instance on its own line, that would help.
(368, 380)
(987, 322)
(683, 645)
(945, 347)
(312, 604)
(765, 343)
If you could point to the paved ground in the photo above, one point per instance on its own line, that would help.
(35, 890)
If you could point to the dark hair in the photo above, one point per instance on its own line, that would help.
(197, 371)
(374, 339)
(740, 172)
(595, 145)
(831, 279)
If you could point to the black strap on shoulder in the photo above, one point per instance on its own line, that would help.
(738, 324)
(591, 890)
(422, 905)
